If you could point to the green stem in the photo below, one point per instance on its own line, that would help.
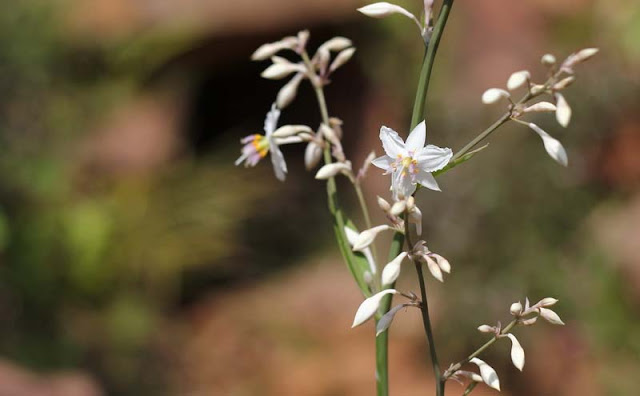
(427, 64)
(426, 319)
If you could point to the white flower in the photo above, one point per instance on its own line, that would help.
(553, 146)
(258, 146)
(410, 163)
(369, 307)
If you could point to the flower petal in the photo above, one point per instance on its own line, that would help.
(352, 237)
(434, 268)
(369, 307)
(277, 159)
(402, 186)
(517, 353)
(417, 137)
(391, 142)
(488, 374)
(366, 237)
(427, 180)
(433, 158)
(383, 162)
(271, 120)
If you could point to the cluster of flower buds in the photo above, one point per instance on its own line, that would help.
(560, 77)
(523, 316)
(435, 262)
(384, 9)
(322, 62)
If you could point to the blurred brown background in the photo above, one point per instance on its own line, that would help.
(135, 259)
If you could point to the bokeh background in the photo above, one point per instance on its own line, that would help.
(135, 259)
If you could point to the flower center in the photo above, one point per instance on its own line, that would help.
(406, 165)
(261, 144)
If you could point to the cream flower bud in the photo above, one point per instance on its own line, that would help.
(434, 268)
(585, 54)
(399, 207)
(518, 79)
(547, 302)
(554, 147)
(383, 204)
(486, 329)
(333, 169)
(516, 308)
(303, 37)
(540, 107)
(329, 133)
(548, 60)
(530, 321)
(312, 155)
(383, 9)
(564, 83)
(391, 271)
(443, 263)
(369, 307)
(517, 353)
(488, 374)
(342, 58)
(367, 237)
(266, 51)
(563, 114)
(290, 130)
(415, 216)
(288, 92)
(278, 71)
(492, 95)
(337, 44)
(551, 316)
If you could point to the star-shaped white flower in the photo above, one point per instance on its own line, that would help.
(411, 163)
(257, 146)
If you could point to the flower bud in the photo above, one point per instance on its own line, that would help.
(518, 79)
(434, 268)
(564, 83)
(516, 308)
(399, 207)
(337, 44)
(369, 307)
(548, 60)
(278, 71)
(492, 95)
(312, 155)
(266, 51)
(486, 329)
(367, 237)
(553, 146)
(551, 316)
(530, 321)
(488, 374)
(288, 92)
(443, 263)
(563, 115)
(540, 107)
(342, 58)
(386, 319)
(547, 302)
(290, 130)
(383, 204)
(585, 54)
(391, 271)
(333, 169)
(517, 353)
(384, 9)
